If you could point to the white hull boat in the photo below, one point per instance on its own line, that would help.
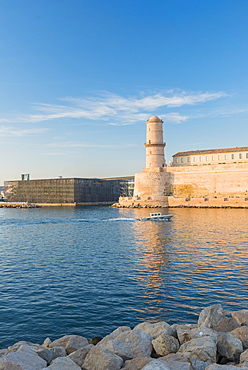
(157, 217)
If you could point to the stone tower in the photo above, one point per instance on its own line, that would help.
(154, 143)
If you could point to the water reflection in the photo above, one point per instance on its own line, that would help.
(198, 258)
(152, 263)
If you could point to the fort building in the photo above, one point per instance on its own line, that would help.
(211, 156)
(202, 178)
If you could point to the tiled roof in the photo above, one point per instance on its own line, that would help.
(212, 151)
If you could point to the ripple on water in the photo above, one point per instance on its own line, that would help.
(88, 270)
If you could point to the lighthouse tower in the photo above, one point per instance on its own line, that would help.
(152, 185)
(154, 143)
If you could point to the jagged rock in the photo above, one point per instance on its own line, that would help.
(174, 330)
(240, 316)
(46, 342)
(176, 361)
(47, 354)
(79, 355)
(221, 367)
(228, 346)
(24, 358)
(213, 317)
(58, 352)
(63, 363)
(3, 352)
(155, 329)
(186, 333)
(129, 344)
(119, 348)
(201, 349)
(120, 330)
(102, 359)
(199, 365)
(244, 356)
(23, 344)
(242, 334)
(165, 344)
(137, 363)
(156, 365)
(70, 342)
(95, 340)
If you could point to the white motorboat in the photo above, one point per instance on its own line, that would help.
(157, 217)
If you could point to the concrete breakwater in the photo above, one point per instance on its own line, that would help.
(219, 340)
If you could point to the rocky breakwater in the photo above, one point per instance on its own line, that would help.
(218, 341)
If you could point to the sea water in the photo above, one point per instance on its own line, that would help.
(88, 270)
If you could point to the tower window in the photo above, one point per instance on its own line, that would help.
(232, 156)
(206, 158)
(181, 160)
(188, 159)
(246, 155)
(240, 156)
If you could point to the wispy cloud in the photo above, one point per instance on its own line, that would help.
(6, 131)
(72, 144)
(118, 110)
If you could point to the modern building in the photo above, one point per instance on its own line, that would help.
(66, 191)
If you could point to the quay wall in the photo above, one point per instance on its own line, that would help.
(221, 185)
(222, 180)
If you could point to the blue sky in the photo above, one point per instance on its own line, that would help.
(78, 80)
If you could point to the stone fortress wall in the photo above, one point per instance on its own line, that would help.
(222, 184)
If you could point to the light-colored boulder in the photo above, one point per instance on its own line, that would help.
(242, 334)
(155, 329)
(63, 363)
(176, 361)
(70, 342)
(228, 346)
(221, 367)
(46, 342)
(213, 317)
(25, 358)
(201, 349)
(120, 330)
(137, 363)
(23, 344)
(156, 365)
(165, 344)
(119, 347)
(244, 357)
(100, 358)
(79, 355)
(240, 316)
(131, 344)
(186, 333)
(59, 352)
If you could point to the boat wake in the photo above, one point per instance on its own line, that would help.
(107, 219)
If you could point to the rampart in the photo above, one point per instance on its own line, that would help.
(221, 185)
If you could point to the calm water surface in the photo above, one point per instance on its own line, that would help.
(87, 270)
